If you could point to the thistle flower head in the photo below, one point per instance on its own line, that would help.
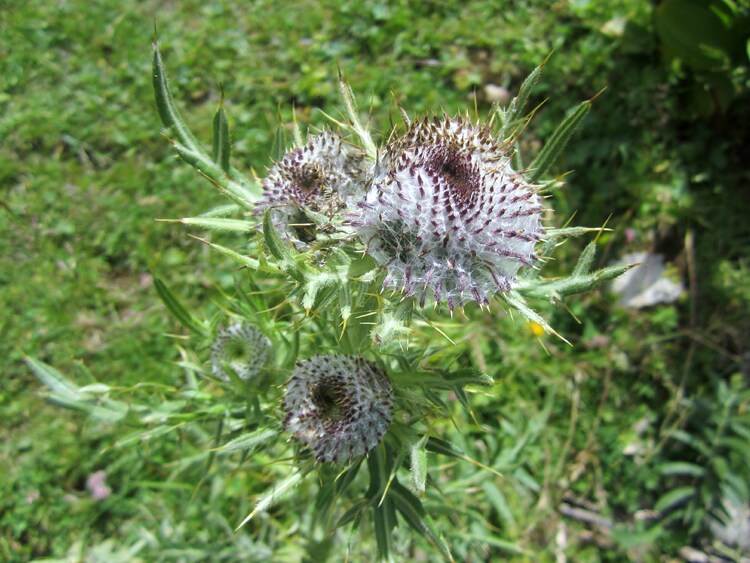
(338, 406)
(318, 178)
(241, 348)
(447, 215)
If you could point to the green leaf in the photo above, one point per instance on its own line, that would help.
(178, 311)
(249, 441)
(222, 144)
(384, 519)
(54, 380)
(682, 468)
(275, 244)
(279, 143)
(274, 494)
(495, 497)
(557, 141)
(168, 112)
(674, 498)
(515, 300)
(438, 446)
(217, 224)
(230, 187)
(352, 113)
(418, 465)
(228, 179)
(246, 261)
(414, 514)
(585, 260)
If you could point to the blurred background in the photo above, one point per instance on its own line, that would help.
(642, 446)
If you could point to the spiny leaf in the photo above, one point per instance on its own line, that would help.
(246, 261)
(352, 113)
(515, 300)
(206, 166)
(274, 494)
(177, 310)
(53, 379)
(222, 144)
(248, 441)
(682, 468)
(438, 446)
(279, 143)
(674, 498)
(557, 141)
(414, 513)
(572, 285)
(215, 224)
(228, 178)
(418, 465)
(168, 112)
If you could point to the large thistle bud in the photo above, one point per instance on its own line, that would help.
(447, 216)
(240, 348)
(309, 182)
(338, 406)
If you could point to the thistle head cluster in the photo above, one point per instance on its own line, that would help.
(241, 348)
(338, 406)
(441, 209)
(447, 216)
(314, 180)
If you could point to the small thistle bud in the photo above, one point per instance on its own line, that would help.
(338, 406)
(241, 348)
(319, 177)
(447, 214)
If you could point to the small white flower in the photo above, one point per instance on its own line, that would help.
(447, 215)
(241, 348)
(338, 406)
(318, 178)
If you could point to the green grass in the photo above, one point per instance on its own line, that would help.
(85, 172)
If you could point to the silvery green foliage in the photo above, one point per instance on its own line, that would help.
(314, 180)
(338, 406)
(241, 348)
(447, 216)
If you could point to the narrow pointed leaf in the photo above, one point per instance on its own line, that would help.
(53, 379)
(168, 112)
(279, 143)
(221, 210)
(246, 261)
(585, 261)
(418, 463)
(515, 300)
(178, 311)
(414, 513)
(274, 495)
(248, 441)
(674, 498)
(206, 166)
(557, 141)
(219, 224)
(222, 143)
(438, 446)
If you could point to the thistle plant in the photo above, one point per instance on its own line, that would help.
(355, 250)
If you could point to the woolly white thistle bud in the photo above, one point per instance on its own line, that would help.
(241, 348)
(338, 406)
(447, 213)
(318, 177)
